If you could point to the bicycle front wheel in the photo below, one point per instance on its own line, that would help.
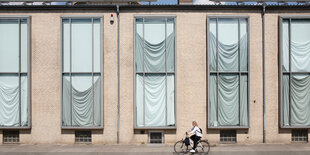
(180, 147)
(203, 147)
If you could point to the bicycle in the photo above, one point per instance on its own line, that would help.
(203, 146)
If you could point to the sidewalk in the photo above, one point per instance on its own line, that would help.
(227, 149)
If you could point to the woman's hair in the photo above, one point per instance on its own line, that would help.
(195, 123)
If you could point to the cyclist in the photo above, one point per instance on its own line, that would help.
(196, 135)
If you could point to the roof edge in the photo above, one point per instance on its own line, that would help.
(153, 7)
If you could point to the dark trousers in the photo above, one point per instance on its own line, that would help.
(195, 139)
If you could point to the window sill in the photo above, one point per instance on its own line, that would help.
(81, 128)
(295, 127)
(14, 127)
(156, 128)
(229, 127)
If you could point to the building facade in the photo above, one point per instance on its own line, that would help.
(69, 74)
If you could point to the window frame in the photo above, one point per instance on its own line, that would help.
(175, 70)
(280, 70)
(28, 73)
(101, 69)
(239, 72)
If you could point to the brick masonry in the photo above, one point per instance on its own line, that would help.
(191, 77)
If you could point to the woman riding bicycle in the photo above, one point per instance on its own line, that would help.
(195, 135)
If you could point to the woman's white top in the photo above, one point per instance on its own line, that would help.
(195, 130)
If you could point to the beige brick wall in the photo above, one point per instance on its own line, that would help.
(191, 78)
(1, 137)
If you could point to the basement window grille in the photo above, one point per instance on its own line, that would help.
(83, 137)
(10, 136)
(228, 136)
(299, 135)
(156, 137)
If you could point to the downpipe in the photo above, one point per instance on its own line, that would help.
(118, 75)
(264, 70)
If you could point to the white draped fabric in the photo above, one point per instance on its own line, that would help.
(228, 100)
(228, 95)
(213, 106)
(244, 100)
(10, 106)
(296, 88)
(286, 99)
(154, 55)
(152, 48)
(155, 100)
(296, 111)
(84, 111)
(228, 45)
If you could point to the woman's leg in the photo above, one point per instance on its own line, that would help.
(195, 139)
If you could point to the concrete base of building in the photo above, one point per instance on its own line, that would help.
(89, 149)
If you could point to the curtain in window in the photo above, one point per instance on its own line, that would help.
(82, 98)
(9, 99)
(13, 79)
(213, 101)
(300, 90)
(243, 100)
(155, 100)
(154, 55)
(228, 100)
(228, 45)
(296, 82)
(300, 45)
(81, 106)
(228, 96)
(154, 97)
(286, 99)
(170, 100)
(300, 100)
(228, 105)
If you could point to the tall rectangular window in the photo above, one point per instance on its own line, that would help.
(295, 72)
(228, 72)
(154, 72)
(14, 72)
(81, 72)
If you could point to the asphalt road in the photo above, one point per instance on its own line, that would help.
(83, 149)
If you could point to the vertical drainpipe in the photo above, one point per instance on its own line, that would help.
(118, 75)
(264, 70)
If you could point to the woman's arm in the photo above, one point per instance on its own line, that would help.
(194, 130)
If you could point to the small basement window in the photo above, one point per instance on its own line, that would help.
(299, 135)
(10, 136)
(228, 136)
(83, 137)
(156, 137)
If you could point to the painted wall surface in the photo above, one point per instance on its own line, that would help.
(191, 76)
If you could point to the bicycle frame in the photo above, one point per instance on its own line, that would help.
(186, 148)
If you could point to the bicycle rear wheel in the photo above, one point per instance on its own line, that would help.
(180, 147)
(203, 147)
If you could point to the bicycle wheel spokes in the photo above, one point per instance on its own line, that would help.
(203, 147)
(180, 147)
